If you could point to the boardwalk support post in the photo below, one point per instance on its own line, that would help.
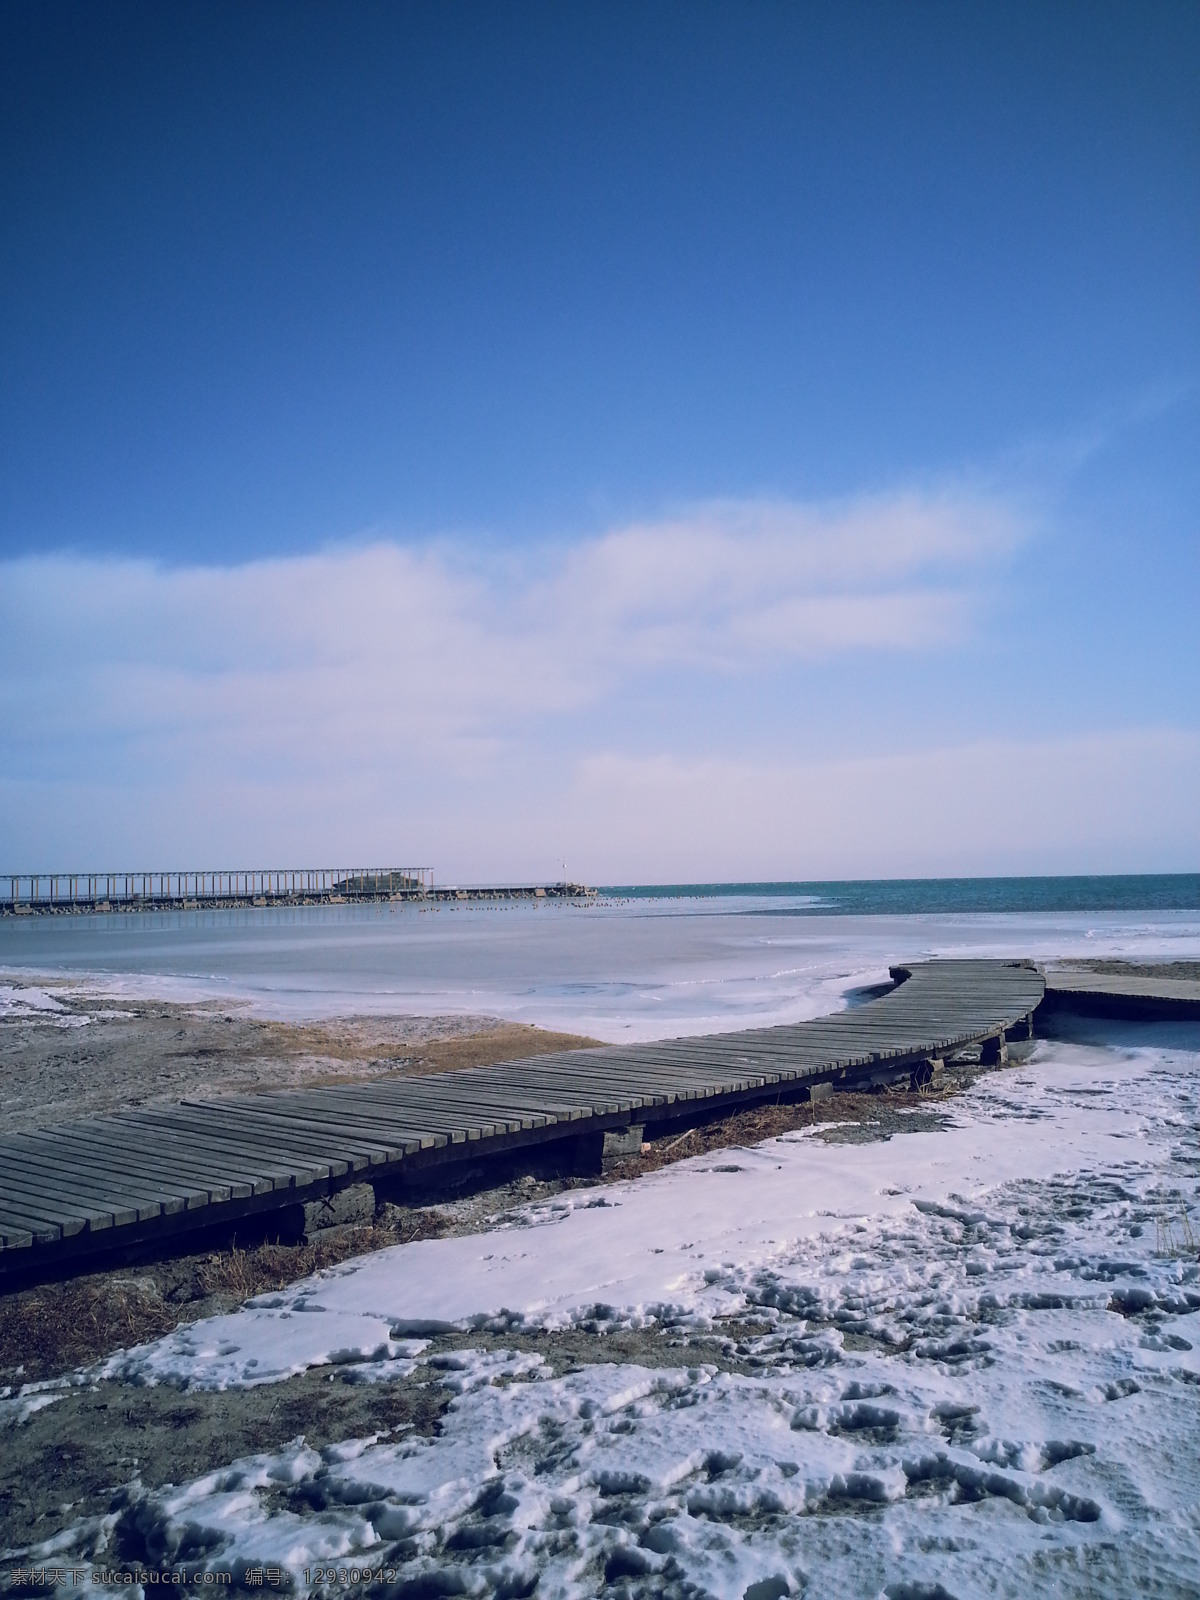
(994, 1051)
(924, 1072)
(619, 1144)
(353, 1205)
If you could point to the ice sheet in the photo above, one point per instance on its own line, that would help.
(625, 971)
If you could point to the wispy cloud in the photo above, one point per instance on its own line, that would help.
(738, 582)
(386, 641)
(382, 692)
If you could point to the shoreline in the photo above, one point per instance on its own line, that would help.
(89, 1053)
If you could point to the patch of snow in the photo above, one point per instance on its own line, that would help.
(967, 1358)
(231, 1351)
(31, 1003)
(16, 1409)
(25, 999)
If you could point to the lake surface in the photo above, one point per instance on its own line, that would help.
(638, 965)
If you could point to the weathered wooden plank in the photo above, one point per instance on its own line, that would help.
(345, 1147)
(357, 1129)
(453, 1115)
(144, 1190)
(632, 1082)
(363, 1139)
(236, 1173)
(169, 1139)
(232, 1137)
(188, 1197)
(317, 1111)
(222, 1158)
(473, 1109)
(487, 1097)
(583, 1091)
(99, 1209)
(223, 1182)
(332, 1147)
(17, 1234)
(30, 1210)
(458, 1126)
(99, 1189)
(128, 1170)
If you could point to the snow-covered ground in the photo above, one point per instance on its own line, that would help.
(960, 1363)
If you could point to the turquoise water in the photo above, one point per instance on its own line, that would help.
(1169, 891)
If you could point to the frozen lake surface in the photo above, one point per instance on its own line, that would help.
(617, 970)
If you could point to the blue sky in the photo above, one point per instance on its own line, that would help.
(683, 440)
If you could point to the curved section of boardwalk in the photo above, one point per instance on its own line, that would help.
(1128, 994)
(84, 1188)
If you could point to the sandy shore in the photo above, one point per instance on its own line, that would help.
(67, 1053)
(1185, 971)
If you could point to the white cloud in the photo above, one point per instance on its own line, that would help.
(389, 701)
(389, 642)
(737, 582)
(1107, 802)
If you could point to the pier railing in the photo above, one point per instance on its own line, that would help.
(114, 891)
(24, 893)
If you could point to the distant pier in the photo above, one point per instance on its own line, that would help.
(64, 893)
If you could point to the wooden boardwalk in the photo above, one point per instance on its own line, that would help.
(1138, 994)
(83, 1189)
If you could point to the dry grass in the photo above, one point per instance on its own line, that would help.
(267, 1267)
(49, 1330)
(59, 1326)
(356, 1049)
(512, 1041)
(761, 1122)
(1176, 1238)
